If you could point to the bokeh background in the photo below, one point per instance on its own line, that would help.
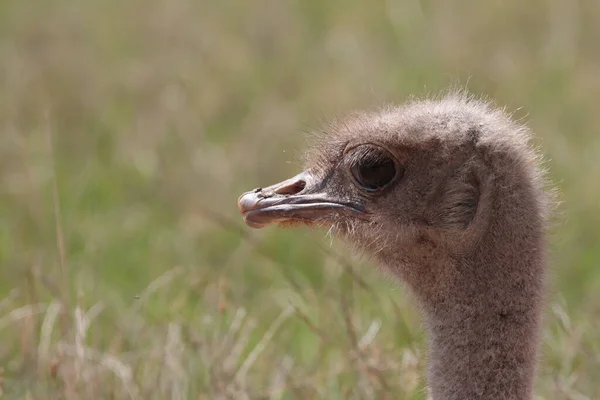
(129, 128)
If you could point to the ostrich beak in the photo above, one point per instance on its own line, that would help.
(298, 199)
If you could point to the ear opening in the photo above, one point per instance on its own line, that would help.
(455, 205)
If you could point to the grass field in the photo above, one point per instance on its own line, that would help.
(129, 128)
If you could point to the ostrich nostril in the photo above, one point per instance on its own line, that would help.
(291, 188)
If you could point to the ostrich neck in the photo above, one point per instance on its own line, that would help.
(483, 312)
(484, 347)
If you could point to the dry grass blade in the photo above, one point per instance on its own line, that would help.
(234, 328)
(111, 363)
(60, 238)
(369, 336)
(21, 313)
(46, 332)
(240, 376)
(154, 286)
(233, 357)
(310, 325)
(177, 384)
(280, 375)
(5, 302)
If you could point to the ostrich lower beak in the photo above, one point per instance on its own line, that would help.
(294, 200)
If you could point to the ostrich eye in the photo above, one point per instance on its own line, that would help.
(373, 168)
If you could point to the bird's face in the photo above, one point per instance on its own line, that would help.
(345, 188)
(379, 185)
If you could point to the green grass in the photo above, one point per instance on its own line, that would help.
(129, 128)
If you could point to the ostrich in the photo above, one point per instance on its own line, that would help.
(448, 196)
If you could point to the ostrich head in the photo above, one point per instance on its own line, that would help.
(447, 196)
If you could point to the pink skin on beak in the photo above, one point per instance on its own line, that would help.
(292, 201)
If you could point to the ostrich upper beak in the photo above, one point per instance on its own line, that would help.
(302, 198)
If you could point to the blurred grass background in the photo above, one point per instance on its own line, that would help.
(129, 128)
